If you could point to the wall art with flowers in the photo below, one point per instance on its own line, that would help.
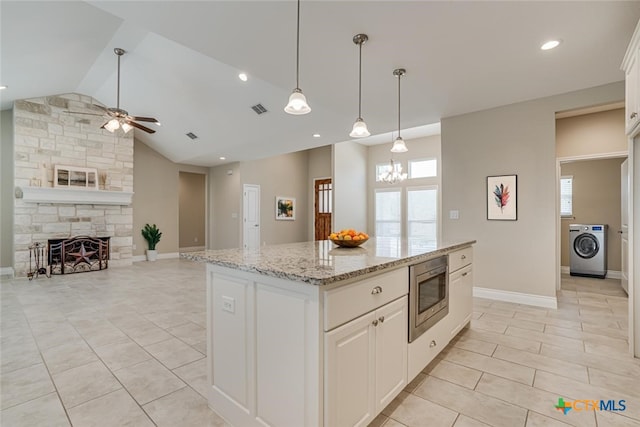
(502, 197)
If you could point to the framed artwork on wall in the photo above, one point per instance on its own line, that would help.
(75, 177)
(285, 208)
(502, 197)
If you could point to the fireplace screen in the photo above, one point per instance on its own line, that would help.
(78, 254)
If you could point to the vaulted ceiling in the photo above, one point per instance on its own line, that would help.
(183, 59)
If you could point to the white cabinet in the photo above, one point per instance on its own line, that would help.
(631, 68)
(460, 290)
(365, 365)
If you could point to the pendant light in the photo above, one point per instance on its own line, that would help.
(360, 127)
(398, 145)
(394, 174)
(297, 102)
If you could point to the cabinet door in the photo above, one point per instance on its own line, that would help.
(391, 351)
(632, 101)
(350, 373)
(460, 299)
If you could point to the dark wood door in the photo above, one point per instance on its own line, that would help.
(323, 208)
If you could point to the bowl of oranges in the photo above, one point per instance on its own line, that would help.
(349, 238)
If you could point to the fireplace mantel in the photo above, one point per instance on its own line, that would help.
(75, 196)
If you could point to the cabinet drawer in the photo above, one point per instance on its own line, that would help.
(461, 258)
(350, 301)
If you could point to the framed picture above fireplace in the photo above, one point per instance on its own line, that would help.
(75, 177)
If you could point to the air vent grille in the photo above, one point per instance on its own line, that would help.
(259, 109)
(192, 135)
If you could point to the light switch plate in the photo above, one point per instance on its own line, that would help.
(454, 214)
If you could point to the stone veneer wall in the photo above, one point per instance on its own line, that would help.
(44, 134)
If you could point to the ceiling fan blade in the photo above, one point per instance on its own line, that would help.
(139, 126)
(100, 107)
(103, 126)
(88, 114)
(143, 119)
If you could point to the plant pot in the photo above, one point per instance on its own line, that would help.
(152, 255)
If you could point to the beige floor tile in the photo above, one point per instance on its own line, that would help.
(101, 336)
(24, 384)
(190, 333)
(457, 374)
(476, 346)
(173, 353)
(546, 363)
(506, 340)
(613, 332)
(615, 349)
(563, 323)
(537, 420)
(519, 323)
(17, 353)
(167, 320)
(121, 355)
(531, 398)
(610, 419)
(545, 338)
(624, 385)
(501, 311)
(586, 336)
(417, 381)
(393, 423)
(45, 411)
(68, 355)
(184, 407)
(147, 334)
(195, 374)
(148, 381)
(65, 333)
(114, 409)
(492, 365)
(464, 421)
(415, 411)
(475, 405)
(80, 384)
(496, 326)
(625, 365)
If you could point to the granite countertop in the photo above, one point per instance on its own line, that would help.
(322, 262)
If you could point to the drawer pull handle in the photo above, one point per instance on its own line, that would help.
(433, 343)
(381, 319)
(375, 323)
(633, 115)
(463, 257)
(465, 273)
(376, 290)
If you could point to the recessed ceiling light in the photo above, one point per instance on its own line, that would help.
(243, 77)
(550, 44)
(222, 158)
(316, 135)
(3, 87)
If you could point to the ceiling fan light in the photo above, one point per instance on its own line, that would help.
(112, 125)
(399, 146)
(359, 129)
(297, 103)
(126, 127)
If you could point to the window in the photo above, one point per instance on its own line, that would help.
(422, 215)
(424, 168)
(388, 213)
(566, 196)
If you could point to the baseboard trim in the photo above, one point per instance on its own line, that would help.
(516, 297)
(191, 249)
(7, 271)
(168, 255)
(611, 274)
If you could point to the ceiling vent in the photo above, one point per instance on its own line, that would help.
(192, 135)
(259, 109)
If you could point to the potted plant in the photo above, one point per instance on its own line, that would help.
(152, 235)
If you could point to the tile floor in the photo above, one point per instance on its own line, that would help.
(126, 347)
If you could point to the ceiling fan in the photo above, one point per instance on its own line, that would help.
(118, 118)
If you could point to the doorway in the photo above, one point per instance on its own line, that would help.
(192, 211)
(323, 207)
(251, 216)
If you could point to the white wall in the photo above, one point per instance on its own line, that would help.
(517, 256)
(349, 186)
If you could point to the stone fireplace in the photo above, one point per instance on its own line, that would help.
(45, 135)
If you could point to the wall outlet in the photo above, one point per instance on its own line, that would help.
(455, 214)
(195, 239)
(228, 304)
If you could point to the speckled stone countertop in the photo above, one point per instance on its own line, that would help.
(321, 262)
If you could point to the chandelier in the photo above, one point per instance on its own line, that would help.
(394, 174)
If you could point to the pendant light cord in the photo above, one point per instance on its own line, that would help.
(298, 49)
(360, 83)
(399, 75)
(118, 93)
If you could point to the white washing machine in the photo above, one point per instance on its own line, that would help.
(588, 247)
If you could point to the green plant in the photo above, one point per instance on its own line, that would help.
(152, 235)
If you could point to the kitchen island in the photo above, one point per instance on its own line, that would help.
(310, 334)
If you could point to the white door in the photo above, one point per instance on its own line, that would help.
(350, 373)
(391, 351)
(251, 216)
(624, 229)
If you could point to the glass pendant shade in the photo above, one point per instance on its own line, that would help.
(297, 103)
(126, 127)
(399, 146)
(112, 125)
(359, 129)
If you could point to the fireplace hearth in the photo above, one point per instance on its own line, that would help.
(78, 254)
